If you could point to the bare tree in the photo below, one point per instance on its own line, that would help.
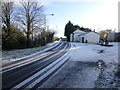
(30, 15)
(7, 10)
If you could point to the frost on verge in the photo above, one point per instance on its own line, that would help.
(107, 78)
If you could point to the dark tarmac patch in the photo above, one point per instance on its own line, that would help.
(74, 74)
(87, 64)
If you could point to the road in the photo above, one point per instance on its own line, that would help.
(19, 71)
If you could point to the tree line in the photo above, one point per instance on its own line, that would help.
(23, 25)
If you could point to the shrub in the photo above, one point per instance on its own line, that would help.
(14, 40)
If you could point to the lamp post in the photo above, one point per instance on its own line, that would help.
(46, 20)
(46, 23)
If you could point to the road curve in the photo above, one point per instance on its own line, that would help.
(22, 70)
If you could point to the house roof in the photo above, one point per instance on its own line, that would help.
(81, 33)
(78, 32)
(93, 32)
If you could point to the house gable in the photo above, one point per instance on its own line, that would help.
(81, 36)
(93, 33)
(78, 32)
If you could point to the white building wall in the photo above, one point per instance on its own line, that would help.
(76, 38)
(71, 35)
(80, 38)
(92, 37)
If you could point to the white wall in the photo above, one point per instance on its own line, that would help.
(76, 38)
(80, 38)
(92, 37)
(71, 35)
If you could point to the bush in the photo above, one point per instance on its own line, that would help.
(14, 40)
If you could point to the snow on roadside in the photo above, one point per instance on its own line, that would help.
(107, 78)
(82, 52)
(51, 44)
(89, 52)
(21, 53)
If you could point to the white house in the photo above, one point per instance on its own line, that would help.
(81, 36)
(75, 36)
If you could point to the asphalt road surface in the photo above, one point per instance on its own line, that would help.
(74, 75)
(21, 70)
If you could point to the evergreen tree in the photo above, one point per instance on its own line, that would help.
(85, 29)
(68, 30)
(76, 27)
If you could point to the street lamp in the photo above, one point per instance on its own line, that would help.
(46, 20)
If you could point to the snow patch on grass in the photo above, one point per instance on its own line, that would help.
(19, 53)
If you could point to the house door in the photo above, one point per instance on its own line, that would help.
(82, 39)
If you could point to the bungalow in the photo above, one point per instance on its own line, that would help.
(81, 36)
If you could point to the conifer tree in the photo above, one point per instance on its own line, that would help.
(68, 30)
